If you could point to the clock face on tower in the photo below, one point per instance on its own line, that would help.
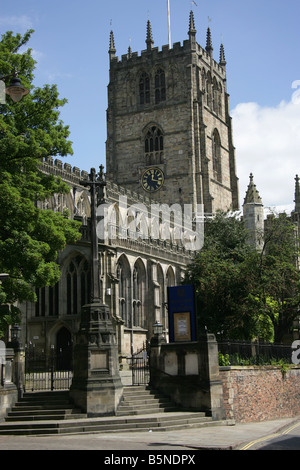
(152, 179)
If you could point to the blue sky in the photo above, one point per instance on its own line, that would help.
(261, 40)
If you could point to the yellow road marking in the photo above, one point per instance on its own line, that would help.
(271, 436)
(252, 443)
(291, 428)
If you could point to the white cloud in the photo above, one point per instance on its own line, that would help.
(20, 22)
(267, 141)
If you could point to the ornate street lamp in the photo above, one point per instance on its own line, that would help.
(158, 334)
(158, 328)
(15, 90)
(15, 333)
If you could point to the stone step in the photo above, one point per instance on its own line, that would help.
(159, 422)
(143, 400)
(142, 409)
(45, 414)
(40, 406)
(20, 407)
(144, 403)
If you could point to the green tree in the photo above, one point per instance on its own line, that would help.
(278, 273)
(30, 238)
(243, 293)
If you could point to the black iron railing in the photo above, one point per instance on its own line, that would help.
(251, 353)
(139, 365)
(52, 371)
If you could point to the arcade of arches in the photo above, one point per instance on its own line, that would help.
(133, 286)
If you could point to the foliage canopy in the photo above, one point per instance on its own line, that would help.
(244, 293)
(30, 238)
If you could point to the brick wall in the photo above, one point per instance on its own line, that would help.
(260, 393)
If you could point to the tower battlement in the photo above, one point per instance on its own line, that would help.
(135, 58)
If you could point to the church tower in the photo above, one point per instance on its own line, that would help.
(169, 133)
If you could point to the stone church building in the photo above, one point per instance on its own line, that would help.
(169, 142)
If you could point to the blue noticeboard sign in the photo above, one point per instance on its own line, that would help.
(182, 314)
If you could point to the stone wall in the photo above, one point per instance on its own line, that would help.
(253, 394)
(8, 390)
(188, 373)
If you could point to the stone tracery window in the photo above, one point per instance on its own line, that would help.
(138, 295)
(123, 274)
(78, 284)
(160, 86)
(154, 146)
(144, 88)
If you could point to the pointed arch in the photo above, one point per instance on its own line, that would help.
(144, 88)
(153, 144)
(139, 293)
(170, 277)
(76, 283)
(124, 276)
(160, 86)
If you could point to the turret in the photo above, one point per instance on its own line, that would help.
(253, 214)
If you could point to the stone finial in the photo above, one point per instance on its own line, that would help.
(149, 38)
(222, 56)
(209, 48)
(297, 194)
(112, 49)
(192, 29)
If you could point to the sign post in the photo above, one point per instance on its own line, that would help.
(182, 314)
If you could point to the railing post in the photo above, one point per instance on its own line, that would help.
(52, 367)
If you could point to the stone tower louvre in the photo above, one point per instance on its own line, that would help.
(169, 109)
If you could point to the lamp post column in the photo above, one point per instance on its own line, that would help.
(96, 386)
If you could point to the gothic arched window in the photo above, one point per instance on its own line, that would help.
(154, 146)
(124, 276)
(144, 88)
(138, 294)
(215, 96)
(78, 284)
(160, 86)
(47, 301)
(216, 156)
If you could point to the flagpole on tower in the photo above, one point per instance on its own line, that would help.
(169, 23)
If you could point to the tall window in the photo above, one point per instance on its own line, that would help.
(216, 156)
(138, 294)
(208, 91)
(47, 301)
(124, 276)
(144, 88)
(78, 284)
(154, 146)
(160, 86)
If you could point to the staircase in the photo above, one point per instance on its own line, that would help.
(45, 413)
(142, 400)
(39, 406)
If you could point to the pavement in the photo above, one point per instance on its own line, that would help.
(223, 437)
